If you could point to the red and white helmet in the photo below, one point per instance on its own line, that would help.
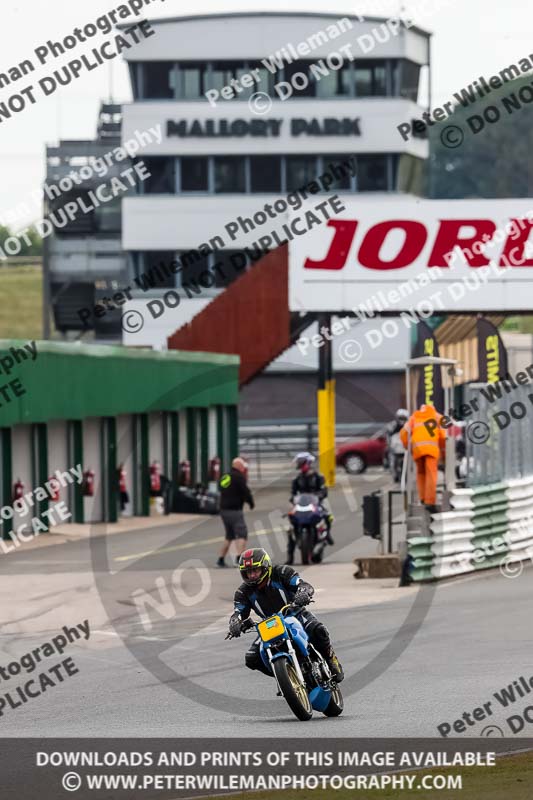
(304, 461)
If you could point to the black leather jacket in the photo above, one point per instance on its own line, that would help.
(309, 483)
(234, 491)
(280, 591)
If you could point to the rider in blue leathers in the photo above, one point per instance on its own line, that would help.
(265, 590)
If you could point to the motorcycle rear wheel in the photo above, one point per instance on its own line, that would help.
(336, 704)
(293, 691)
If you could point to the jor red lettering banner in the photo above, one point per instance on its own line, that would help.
(401, 254)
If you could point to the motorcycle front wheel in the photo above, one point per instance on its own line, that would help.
(293, 691)
(306, 546)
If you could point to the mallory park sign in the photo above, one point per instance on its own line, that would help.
(238, 128)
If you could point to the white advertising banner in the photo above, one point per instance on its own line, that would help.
(400, 253)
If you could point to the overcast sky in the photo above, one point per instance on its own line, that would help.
(472, 38)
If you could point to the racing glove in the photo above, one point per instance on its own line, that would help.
(302, 597)
(235, 625)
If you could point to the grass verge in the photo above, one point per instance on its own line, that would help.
(21, 297)
(510, 778)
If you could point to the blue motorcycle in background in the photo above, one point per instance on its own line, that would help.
(309, 530)
(302, 674)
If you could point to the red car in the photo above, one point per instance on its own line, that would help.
(356, 455)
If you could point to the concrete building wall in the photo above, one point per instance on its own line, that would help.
(183, 434)
(212, 449)
(94, 394)
(360, 397)
(257, 35)
(155, 437)
(58, 460)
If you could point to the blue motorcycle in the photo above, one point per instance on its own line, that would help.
(309, 530)
(302, 674)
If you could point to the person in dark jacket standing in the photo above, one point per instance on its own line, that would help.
(234, 493)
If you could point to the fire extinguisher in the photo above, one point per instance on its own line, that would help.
(54, 489)
(185, 473)
(88, 483)
(214, 469)
(122, 480)
(18, 490)
(155, 477)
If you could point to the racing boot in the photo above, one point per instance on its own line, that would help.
(329, 521)
(291, 546)
(335, 665)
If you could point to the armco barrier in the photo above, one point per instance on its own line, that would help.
(487, 527)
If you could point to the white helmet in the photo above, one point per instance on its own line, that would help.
(402, 415)
(303, 458)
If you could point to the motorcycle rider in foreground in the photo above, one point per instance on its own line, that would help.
(308, 481)
(265, 590)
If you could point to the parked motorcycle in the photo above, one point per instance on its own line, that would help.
(302, 674)
(308, 528)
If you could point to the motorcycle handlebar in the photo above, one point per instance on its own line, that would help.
(294, 607)
(248, 624)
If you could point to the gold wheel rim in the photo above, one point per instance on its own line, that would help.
(298, 688)
(337, 696)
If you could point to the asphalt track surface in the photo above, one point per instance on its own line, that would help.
(412, 663)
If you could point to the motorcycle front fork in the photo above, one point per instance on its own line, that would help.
(294, 662)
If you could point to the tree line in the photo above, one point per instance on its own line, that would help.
(33, 247)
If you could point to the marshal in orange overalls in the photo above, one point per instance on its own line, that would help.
(427, 446)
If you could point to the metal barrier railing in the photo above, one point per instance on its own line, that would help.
(22, 261)
(499, 433)
(277, 441)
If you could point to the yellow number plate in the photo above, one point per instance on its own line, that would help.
(271, 628)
